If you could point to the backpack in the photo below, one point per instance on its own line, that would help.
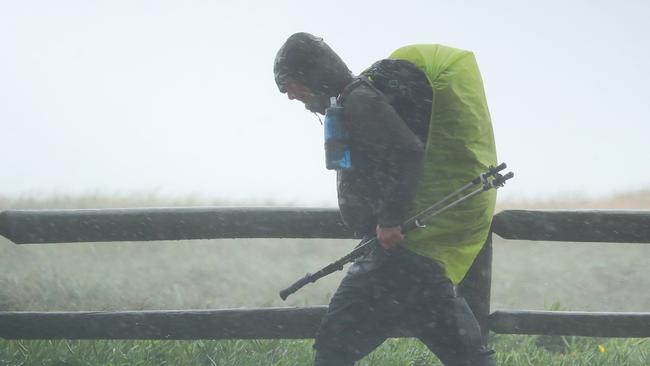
(438, 91)
(407, 89)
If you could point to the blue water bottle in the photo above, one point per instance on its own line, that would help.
(337, 138)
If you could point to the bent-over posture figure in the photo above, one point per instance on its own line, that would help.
(419, 128)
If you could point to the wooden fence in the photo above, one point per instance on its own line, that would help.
(66, 226)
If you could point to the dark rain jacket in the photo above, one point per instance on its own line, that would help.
(386, 159)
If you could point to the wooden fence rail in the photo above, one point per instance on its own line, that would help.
(598, 226)
(284, 323)
(65, 226)
(115, 225)
(578, 323)
(265, 323)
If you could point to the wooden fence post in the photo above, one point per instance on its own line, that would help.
(476, 286)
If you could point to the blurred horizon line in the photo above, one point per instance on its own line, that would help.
(632, 198)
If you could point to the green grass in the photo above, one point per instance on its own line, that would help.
(511, 350)
(248, 273)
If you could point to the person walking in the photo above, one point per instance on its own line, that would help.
(418, 127)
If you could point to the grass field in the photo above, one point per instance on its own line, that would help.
(248, 273)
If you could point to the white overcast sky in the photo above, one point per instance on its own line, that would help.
(178, 97)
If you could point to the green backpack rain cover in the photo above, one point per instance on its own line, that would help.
(460, 146)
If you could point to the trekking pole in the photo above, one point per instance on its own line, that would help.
(418, 221)
(426, 215)
(482, 178)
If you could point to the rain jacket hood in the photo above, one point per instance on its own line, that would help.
(307, 59)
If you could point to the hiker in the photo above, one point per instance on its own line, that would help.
(417, 127)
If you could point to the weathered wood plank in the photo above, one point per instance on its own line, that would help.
(284, 323)
(67, 226)
(588, 324)
(266, 323)
(574, 226)
(255, 323)
(57, 226)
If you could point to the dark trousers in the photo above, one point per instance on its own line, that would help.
(388, 290)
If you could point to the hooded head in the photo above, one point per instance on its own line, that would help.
(306, 68)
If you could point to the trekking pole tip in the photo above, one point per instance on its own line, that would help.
(500, 180)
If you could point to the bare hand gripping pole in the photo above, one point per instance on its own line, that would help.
(486, 181)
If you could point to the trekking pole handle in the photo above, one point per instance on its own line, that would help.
(296, 286)
(337, 265)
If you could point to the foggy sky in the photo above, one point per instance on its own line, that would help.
(178, 98)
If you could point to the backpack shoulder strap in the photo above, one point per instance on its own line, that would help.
(358, 81)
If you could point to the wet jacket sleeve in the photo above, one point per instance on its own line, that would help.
(381, 139)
